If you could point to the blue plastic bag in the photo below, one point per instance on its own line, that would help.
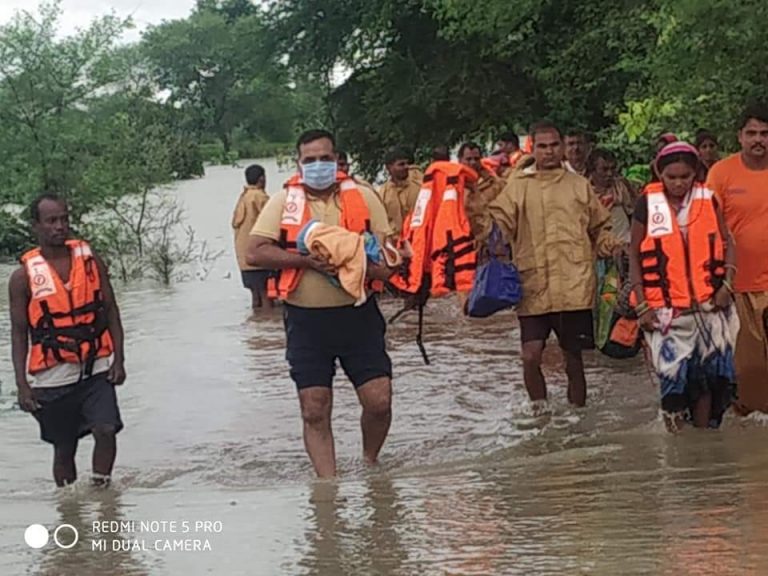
(497, 284)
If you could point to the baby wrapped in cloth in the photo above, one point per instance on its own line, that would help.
(348, 252)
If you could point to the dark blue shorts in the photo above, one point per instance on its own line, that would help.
(70, 412)
(255, 279)
(317, 337)
(574, 329)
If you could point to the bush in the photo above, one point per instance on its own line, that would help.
(243, 149)
(145, 235)
(213, 152)
(256, 149)
(187, 162)
(15, 235)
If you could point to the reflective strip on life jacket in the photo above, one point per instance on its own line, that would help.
(67, 323)
(416, 231)
(439, 233)
(355, 216)
(454, 256)
(680, 270)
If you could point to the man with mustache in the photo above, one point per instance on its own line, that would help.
(557, 227)
(741, 185)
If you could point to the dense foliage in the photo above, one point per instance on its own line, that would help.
(439, 71)
(94, 119)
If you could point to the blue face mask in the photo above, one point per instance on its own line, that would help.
(319, 175)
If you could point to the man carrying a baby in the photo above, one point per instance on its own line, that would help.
(315, 211)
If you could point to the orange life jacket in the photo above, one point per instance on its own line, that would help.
(355, 216)
(439, 233)
(490, 164)
(67, 323)
(514, 158)
(681, 271)
(528, 146)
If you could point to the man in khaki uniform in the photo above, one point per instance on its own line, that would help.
(346, 167)
(322, 323)
(489, 185)
(577, 150)
(400, 192)
(556, 226)
(509, 145)
(249, 206)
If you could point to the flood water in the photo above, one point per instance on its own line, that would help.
(469, 482)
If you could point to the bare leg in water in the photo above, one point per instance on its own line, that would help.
(64, 470)
(104, 452)
(256, 301)
(577, 382)
(702, 411)
(534, 379)
(316, 407)
(376, 399)
(260, 298)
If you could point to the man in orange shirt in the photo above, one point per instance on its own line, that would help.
(741, 184)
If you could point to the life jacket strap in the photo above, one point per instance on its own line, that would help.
(659, 269)
(284, 243)
(55, 339)
(451, 255)
(715, 266)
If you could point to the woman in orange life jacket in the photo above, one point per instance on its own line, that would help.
(681, 268)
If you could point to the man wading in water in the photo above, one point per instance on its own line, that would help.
(322, 324)
(252, 200)
(741, 185)
(66, 333)
(556, 226)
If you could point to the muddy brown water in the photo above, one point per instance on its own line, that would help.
(469, 482)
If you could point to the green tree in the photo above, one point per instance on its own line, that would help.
(214, 66)
(80, 118)
(47, 86)
(437, 72)
(408, 82)
(711, 59)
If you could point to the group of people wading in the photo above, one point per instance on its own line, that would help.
(327, 243)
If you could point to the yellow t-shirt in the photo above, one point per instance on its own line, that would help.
(743, 196)
(314, 289)
(247, 210)
(399, 198)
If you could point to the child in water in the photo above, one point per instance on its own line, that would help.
(682, 267)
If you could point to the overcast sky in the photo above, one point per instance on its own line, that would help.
(77, 13)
